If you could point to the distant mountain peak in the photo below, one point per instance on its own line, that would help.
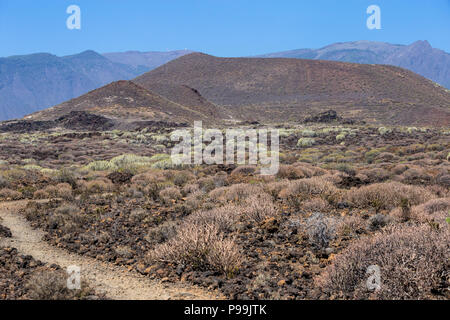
(421, 44)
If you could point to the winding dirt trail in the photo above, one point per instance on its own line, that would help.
(115, 281)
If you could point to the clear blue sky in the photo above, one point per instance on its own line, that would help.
(218, 27)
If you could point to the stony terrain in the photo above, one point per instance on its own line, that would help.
(345, 195)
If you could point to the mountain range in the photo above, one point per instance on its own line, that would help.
(34, 82)
(269, 90)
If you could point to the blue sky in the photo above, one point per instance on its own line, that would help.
(218, 27)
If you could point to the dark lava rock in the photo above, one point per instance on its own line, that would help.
(5, 232)
(324, 117)
(120, 176)
(81, 120)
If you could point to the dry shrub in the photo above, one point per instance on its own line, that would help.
(180, 178)
(435, 210)
(148, 177)
(290, 172)
(415, 176)
(98, 185)
(299, 190)
(350, 226)
(320, 229)
(413, 262)
(316, 204)
(170, 195)
(223, 217)
(52, 285)
(258, 208)
(387, 195)
(200, 246)
(299, 170)
(399, 168)
(244, 170)
(274, 188)
(8, 194)
(376, 174)
(191, 188)
(236, 193)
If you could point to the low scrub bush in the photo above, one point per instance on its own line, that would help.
(413, 262)
(200, 246)
(170, 195)
(387, 195)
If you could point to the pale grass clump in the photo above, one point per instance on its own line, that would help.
(412, 261)
(387, 195)
(170, 195)
(200, 246)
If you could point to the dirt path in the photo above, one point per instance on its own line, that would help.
(115, 281)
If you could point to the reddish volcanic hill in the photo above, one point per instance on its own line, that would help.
(279, 89)
(127, 100)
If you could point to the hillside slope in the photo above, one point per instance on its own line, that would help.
(289, 89)
(123, 100)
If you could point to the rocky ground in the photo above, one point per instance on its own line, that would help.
(278, 237)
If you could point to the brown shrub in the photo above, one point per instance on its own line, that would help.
(387, 195)
(299, 190)
(8, 194)
(258, 208)
(223, 217)
(191, 188)
(200, 246)
(244, 170)
(376, 174)
(99, 185)
(180, 178)
(316, 204)
(236, 193)
(52, 285)
(170, 195)
(40, 194)
(274, 188)
(435, 210)
(148, 177)
(413, 262)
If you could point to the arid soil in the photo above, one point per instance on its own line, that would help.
(142, 227)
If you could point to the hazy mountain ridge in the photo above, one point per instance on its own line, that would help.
(32, 82)
(418, 57)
